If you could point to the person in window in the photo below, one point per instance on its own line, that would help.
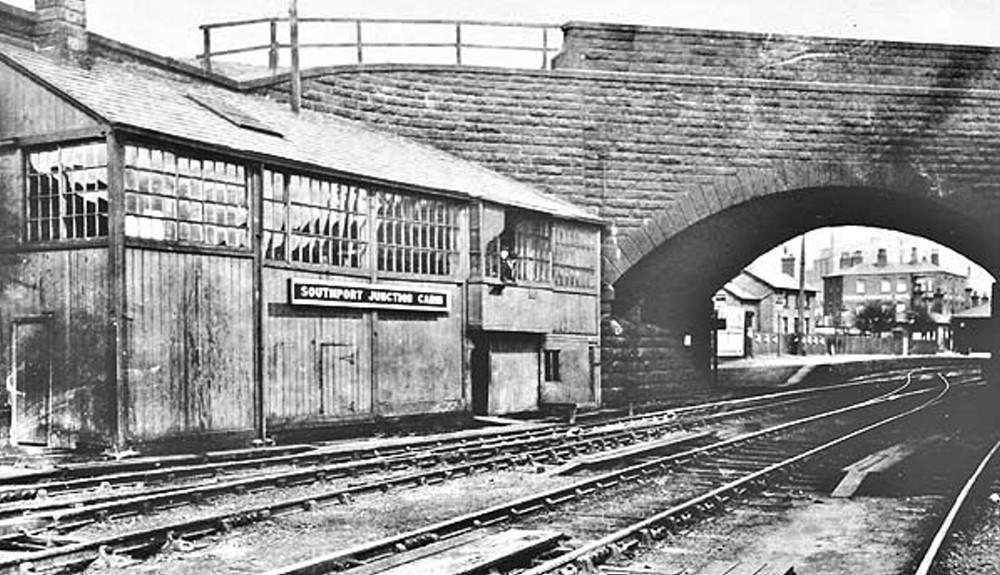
(507, 263)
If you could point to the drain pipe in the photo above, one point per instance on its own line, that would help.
(296, 80)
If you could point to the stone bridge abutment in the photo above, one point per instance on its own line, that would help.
(702, 149)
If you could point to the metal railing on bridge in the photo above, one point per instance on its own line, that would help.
(368, 39)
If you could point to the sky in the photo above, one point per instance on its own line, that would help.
(171, 28)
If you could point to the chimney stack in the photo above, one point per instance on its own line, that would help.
(845, 260)
(883, 258)
(935, 258)
(788, 265)
(62, 28)
(913, 255)
(857, 259)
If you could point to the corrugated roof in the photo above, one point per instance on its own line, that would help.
(131, 94)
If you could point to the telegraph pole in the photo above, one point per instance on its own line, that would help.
(802, 297)
(296, 77)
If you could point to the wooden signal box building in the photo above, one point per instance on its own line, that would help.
(180, 260)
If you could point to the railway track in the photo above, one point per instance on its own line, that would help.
(69, 556)
(324, 465)
(982, 483)
(546, 504)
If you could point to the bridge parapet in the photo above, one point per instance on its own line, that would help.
(664, 50)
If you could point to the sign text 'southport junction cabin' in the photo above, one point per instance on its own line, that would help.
(365, 296)
(185, 261)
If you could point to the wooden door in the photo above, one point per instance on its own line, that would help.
(514, 373)
(342, 375)
(31, 350)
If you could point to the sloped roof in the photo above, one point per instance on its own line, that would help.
(779, 280)
(981, 311)
(134, 95)
(740, 293)
(746, 288)
(891, 268)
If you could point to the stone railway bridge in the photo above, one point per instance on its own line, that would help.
(704, 149)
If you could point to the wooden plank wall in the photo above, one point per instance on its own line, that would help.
(418, 361)
(72, 286)
(29, 109)
(11, 197)
(190, 343)
(317, 362)
(577, 377)
(514, 373)
(574, 313)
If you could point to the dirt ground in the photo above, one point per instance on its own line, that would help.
(301, 536)
(816, 535)
(977, 550)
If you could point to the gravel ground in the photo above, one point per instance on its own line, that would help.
(815, 535)
(301, 536)
(287, 539)
(976, 551)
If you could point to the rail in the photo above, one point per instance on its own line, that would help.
(547, 42)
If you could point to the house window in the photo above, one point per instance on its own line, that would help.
(885, 285)
(176, 198)
(552, 365)
(66, 195)
(314, 220)
(527, 239)
(574, 257)
(416, 235)
(901, 286)
(860, 287)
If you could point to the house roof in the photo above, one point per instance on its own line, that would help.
(779, 280)
(741, 292)
(892, 268)
(979, 312)
(747, 288)
(130, 94)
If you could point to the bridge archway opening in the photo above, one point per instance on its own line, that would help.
(672, 285)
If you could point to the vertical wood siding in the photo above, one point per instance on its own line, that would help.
(72, 286)
(574, 313)
(576, 374)
(514, 373)
(190, 343)
(418, 361)
(317, 362)
(27, 108)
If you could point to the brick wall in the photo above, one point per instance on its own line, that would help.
(665, 131)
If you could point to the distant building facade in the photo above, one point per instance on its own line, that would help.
(761, 312)
(922, 295)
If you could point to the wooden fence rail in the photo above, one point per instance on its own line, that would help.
(547, 43)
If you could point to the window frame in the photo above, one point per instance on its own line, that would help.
(286, 204)
(62, 239)
(552, 370)
(242, 180)
(441, 224)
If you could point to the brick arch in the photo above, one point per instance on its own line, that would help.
(624, 250)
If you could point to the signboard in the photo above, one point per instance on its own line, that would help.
(365, 296)
(731, 334)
